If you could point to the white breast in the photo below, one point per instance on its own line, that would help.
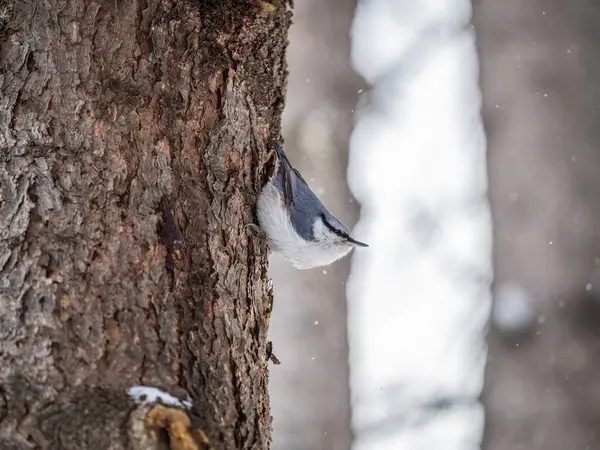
(283, 239)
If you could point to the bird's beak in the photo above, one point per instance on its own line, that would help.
(356, 243)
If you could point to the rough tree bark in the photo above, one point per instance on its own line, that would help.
(132, 144)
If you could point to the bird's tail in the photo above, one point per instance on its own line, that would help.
(283, 161)
(278, 150)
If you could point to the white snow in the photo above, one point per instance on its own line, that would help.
(144, 395)
(419, 298)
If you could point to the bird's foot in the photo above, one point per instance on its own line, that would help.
(255, 229)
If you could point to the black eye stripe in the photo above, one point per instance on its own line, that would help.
(333, 229)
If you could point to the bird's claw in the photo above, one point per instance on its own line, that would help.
(254, 229)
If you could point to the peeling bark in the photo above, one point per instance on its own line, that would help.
(132, 145)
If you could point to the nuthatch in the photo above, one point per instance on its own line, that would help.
(297, 225)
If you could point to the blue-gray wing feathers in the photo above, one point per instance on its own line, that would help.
(303, 204)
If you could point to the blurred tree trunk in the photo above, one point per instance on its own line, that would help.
(129, 134)
(540, 75)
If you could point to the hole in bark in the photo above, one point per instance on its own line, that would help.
(95, 256)
(32, 194)
(163, 436)
(23, 312)
(30, 64)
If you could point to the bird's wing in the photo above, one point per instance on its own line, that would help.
(302, 204)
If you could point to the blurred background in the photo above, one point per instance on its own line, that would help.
(473, 320)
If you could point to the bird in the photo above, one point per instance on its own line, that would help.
(295, 222)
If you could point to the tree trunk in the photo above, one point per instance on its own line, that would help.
(132, 137)
(540, 82)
